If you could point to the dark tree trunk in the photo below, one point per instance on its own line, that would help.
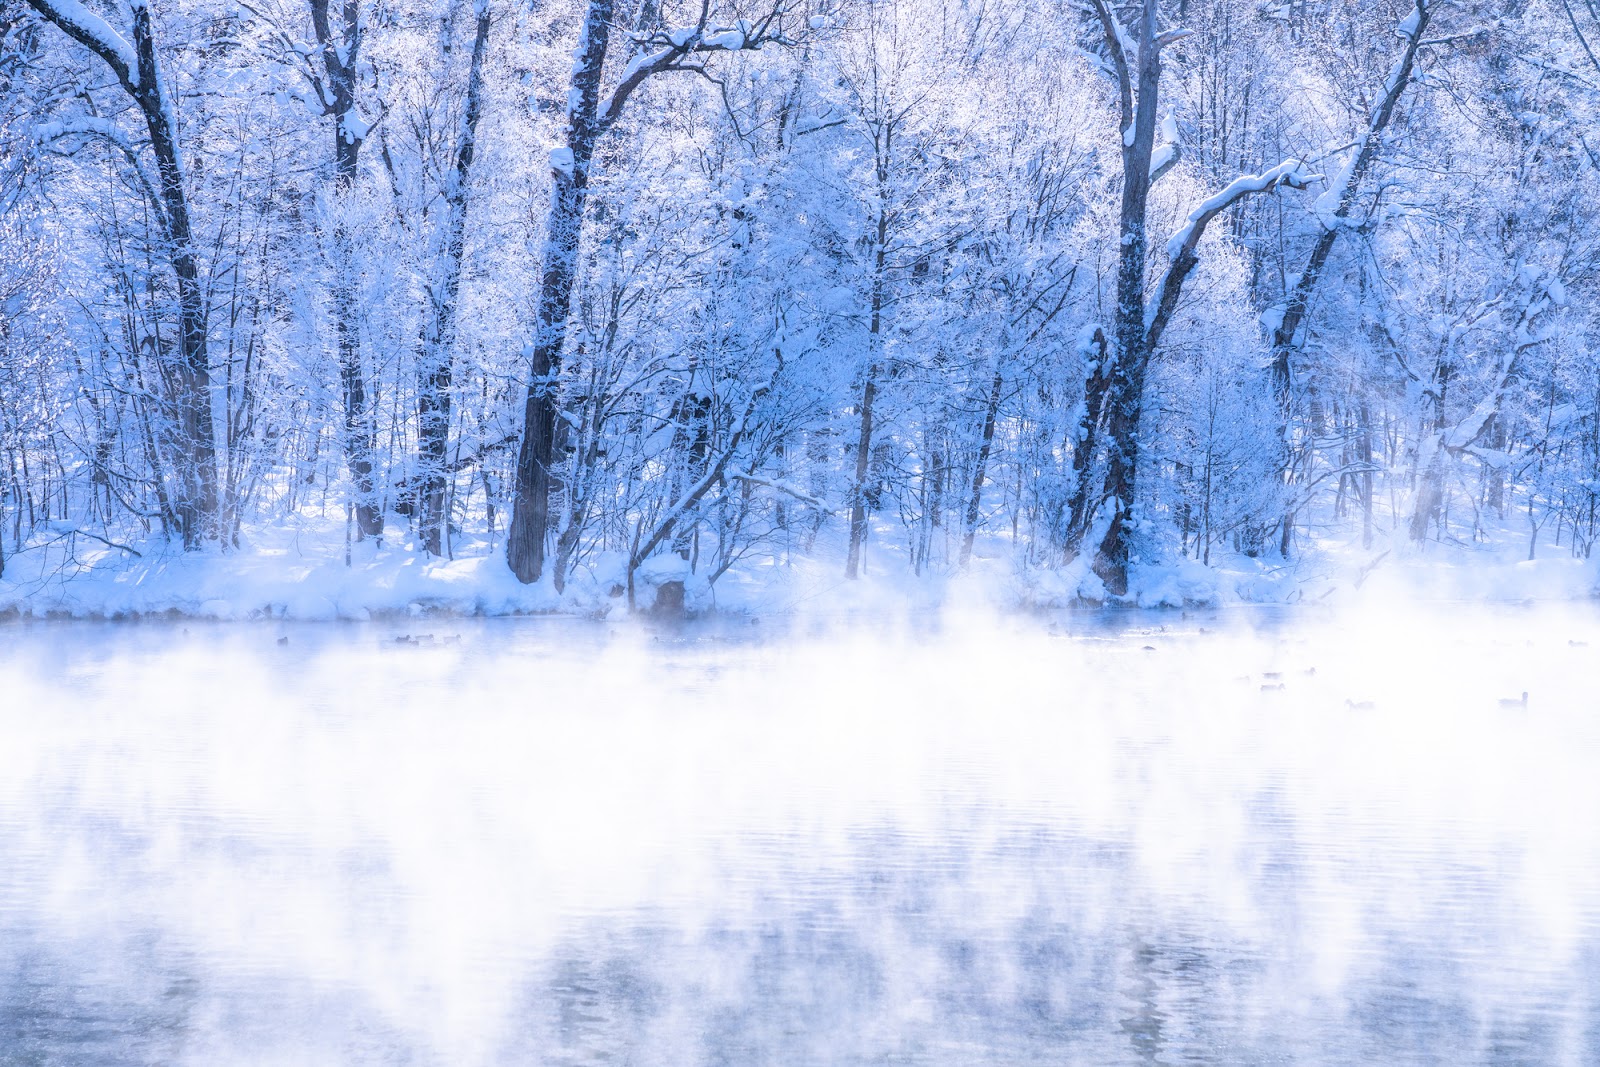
(1125, 395)
(587, 120)
(1081, 505)
(882, 145)
(340, 56)
(197, 462)
(196, 508)
(530, 514)
(980, 469)
(1136, 340)
(434, 378)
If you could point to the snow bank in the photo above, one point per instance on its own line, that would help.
(289, 572)
(298, 571)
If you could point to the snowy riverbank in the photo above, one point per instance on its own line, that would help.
(299, 572)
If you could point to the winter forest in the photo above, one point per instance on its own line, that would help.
(601, 290)
(807, 532)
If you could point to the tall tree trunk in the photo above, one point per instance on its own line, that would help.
(991, 411)
(196, 509)
(197, 462)
(1125, 396)
(1364, 452)
(435, 375)
(1081, 505)
(1139, 82)
(883, 145)
(587, 120)
(1429, 496)
(858, 495)
(340, 55)
(569, 171)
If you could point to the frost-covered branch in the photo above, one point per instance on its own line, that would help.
(1549, 295)
(783, 487)
(1123, 60)
(1334, 205)
(1290, 173)
(670, 50)
(102, 129)
(97, 35)
(1181, 249)
(188, 373)
(714, 474)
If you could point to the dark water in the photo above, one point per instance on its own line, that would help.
(1068, 840)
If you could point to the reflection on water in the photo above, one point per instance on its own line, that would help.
(1162, 840)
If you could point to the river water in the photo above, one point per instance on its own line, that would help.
(1221, 837)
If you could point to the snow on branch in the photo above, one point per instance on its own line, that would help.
(69, 530)
(1124, 58)
(668, 50)
(1181, 248)
(1290, 173)
(784, 487)
(1412, 23)
(82, 126)
(1168, 152)
(102, 129)
(95, 34)
(1168, 37)
(1548, 295)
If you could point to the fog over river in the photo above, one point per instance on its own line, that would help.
(1138, 838)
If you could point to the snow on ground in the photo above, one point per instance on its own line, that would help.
(297, 570)
(292, 570)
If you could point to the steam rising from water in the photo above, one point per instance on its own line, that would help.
(974, 841)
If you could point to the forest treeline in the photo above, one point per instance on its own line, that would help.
(751, 279)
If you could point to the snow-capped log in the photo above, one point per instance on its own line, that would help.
(1168, 152)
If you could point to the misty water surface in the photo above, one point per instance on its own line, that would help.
(1213, 838)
